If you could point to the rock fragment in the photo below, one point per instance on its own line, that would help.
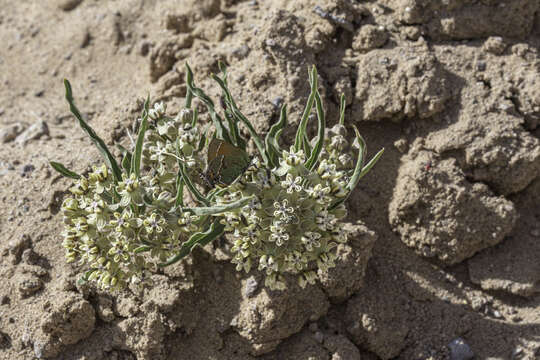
(35, 131)
(10, 132)
(68, 5)
(440, 214)
(271, 316)
(29, 285)
(459, 350)
(369, 37)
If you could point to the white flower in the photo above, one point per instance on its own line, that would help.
(279, 235)
(325, 220)
(319, 193)
(253, 205)
(345, 159)
(326, 169)
(158, 111)
(340, 235)
(283, 211)
(311, 240)
(267, 263)
(294, 158)
(338, 142)
(292, 184)
(297, 261)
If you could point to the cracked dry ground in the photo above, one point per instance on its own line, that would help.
(448, 264)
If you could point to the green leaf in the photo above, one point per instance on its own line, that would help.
(198, 239)
(142, 248)
(301, 131)
(312, 161)
(240, 117)
(64, 171)
(136, 163)
(342, 106)
(201, 211)
(221, 130)
(271, 141)
(192, 189)
(126, 161)
(100, 144)
(179, 201)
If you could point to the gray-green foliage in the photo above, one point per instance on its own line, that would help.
(283, 214)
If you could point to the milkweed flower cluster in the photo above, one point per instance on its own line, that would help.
(283, 211)
(121, 229)
(290, 225)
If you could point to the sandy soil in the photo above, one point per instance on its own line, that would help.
(450, 215)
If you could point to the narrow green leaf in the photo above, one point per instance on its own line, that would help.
(136, 163)
(307, 146)
(143, 248)
(64, 171)
(342, 106)
(199, 239)
(272, 145)
(371, 163)
(221, 129)
(192, 189)
(312, 161)
(219, 209)
(179, 201)
(126, 162)
(240, 117)
(313, 80)
(100, 144)
(189, 97)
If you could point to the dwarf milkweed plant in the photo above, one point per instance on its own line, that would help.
(185, 183)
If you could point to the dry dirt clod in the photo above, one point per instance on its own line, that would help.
(18, 245)
(29, 285)
(10, 132)
(370, 37)
(440, 214)
(35, 131)
(70, 320)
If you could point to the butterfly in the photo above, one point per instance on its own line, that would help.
(225, 163)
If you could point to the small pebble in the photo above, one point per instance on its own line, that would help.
(144, 47)
(535, 232)
(251, 286)
(459, 350)
(401, 145)
(277, 101)
(481, 66)
(319, 337)
(18, 245)
(68, 5)
(37, 130)
(27, 169)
